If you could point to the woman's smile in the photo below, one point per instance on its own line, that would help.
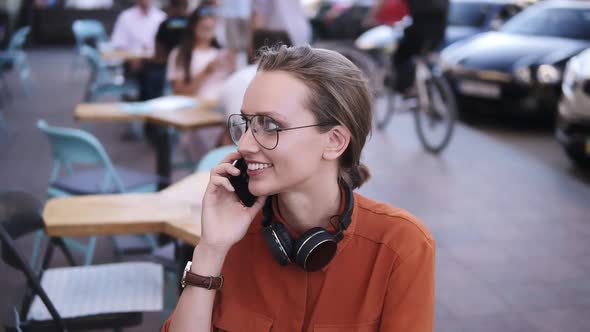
(256, 168)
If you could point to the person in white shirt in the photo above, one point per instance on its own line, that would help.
(198, 67)
(136, 27)
(234, 88)
(285, 15)
(236, 21)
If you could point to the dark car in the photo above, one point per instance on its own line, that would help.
(573, 122)
(519, 68)
(470, 17)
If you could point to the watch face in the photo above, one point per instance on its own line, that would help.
(186, 269)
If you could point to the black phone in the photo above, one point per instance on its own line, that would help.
(240, 183)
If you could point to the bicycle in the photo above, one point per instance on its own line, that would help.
(433, 105)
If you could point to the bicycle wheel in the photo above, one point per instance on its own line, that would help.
(435, 123)
(382, 115)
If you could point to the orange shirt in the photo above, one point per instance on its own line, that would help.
(381, 279)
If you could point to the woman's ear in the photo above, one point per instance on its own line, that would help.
(338, 140)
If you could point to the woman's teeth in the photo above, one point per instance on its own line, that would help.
(253, 167)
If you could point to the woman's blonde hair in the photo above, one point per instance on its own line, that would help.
(338, 93)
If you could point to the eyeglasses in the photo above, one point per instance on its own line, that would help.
(264, 129)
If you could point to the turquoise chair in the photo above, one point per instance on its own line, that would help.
(214, 157)
(102, 79)
(73, 147)
(88, 31)
(15, 56)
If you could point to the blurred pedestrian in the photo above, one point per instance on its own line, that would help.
(235, 15)
(287, 15)
(169, 35)
(426, 34)
(135, 30)
(198, 67)
(386, 12)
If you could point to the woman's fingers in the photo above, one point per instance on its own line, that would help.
(231, 157)
(224, 169)
(253, 210)
(220, 181)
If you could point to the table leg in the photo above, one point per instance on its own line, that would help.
(163, 155)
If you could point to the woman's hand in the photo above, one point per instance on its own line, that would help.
(224, 218)
(212, 66)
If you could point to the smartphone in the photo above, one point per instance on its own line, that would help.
(240, 183)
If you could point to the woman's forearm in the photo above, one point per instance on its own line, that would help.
(195, 306)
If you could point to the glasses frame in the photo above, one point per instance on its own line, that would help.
(249, 119)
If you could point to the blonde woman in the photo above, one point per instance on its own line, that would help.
(309, 254)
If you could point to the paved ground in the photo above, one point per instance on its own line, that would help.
(510, 214)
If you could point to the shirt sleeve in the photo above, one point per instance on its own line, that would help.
(409, 300)
(119, 36)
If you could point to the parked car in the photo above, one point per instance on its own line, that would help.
(468, 18)
(518, 69)
(573, 125)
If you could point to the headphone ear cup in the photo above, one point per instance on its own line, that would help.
(314, 249)
(280, 242)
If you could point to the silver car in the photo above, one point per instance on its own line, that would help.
(573, 125)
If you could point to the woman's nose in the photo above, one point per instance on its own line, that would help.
(247, 143)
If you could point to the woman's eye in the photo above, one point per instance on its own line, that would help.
(270, 125)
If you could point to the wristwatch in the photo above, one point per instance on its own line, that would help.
(193, 279)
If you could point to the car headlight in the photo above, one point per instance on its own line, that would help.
(523, 75)
(570, 75)
(548, 74)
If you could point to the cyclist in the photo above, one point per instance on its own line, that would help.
(427, 32)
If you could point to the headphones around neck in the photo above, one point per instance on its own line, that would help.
(315, 248)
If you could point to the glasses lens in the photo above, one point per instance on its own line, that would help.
(238, 125)
(265, 131)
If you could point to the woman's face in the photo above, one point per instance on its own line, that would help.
(297, 158)
(205, 30)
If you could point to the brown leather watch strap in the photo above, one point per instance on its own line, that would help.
(196, 280)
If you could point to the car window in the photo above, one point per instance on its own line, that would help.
(504, 14)
(471, 14)
(554, 22)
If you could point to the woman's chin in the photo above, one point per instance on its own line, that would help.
(259, 190)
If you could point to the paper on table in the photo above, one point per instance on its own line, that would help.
(162, 104)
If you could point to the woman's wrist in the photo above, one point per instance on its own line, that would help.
(208, 260)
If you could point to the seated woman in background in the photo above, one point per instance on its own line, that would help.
(198, 67)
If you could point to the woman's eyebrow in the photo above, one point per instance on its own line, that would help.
(271, 114)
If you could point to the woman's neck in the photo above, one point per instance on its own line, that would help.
(305, 209)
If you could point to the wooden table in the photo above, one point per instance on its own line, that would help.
(175, 211)
(190, 118)
(123, 55)
(185, 119)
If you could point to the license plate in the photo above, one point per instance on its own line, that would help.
(587, 146)
(479, 89)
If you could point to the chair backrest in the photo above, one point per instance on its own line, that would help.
(213, 157)
(88, 30)
(99, 70)
(93, 58)
(20, 214)
(75, 146)
(18, 39)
